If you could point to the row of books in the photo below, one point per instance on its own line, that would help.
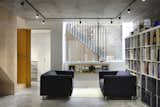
(132, 42)
(133, 54)
(152, 69)
(148, 53)
(134, 65)
(148, 38)
(149, 91)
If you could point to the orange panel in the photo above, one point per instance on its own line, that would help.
(23, 58)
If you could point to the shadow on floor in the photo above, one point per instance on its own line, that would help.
(55, 98)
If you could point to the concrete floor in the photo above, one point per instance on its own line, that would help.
(31, 98)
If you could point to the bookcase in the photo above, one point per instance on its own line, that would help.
(142, 54)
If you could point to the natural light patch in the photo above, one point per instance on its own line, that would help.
(87, 93)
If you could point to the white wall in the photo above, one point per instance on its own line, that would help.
(56, 28)
(8, 43)
(127, 28)
(56, 46)
(40, 49)
(9, 23)
(114, 41)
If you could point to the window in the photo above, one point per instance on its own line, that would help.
(92, 41)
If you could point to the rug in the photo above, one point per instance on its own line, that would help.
(87, 93)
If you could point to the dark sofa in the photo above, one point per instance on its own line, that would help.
(56, 83)
(117, 84)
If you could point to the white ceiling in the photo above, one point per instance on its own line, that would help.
(85, 8)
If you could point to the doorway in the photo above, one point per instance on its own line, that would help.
(40, 53)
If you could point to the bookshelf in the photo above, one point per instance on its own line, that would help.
(142, 52)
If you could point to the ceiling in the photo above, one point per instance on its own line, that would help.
(85, 8)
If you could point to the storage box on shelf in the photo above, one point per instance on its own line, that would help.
(143, 59)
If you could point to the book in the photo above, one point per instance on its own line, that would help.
(138, 40)
(144, 54)
(153, 53)
(158, 54)
(158, 36)
(153, 71)
(158, 70)
(146, 68)
(148, 38)
(154, 37)
(143, 40)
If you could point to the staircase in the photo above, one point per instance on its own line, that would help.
(89, 39)
(6, 84)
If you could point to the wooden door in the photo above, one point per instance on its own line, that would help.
(24, 57)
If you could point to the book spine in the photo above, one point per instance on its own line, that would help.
(158, 70)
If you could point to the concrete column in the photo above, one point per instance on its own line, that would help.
(56, 45)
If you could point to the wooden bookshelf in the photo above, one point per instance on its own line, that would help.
(143, 59)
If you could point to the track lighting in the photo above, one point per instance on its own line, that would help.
(22, 3)
(80, 22)
(119, 17)
(43, 22)
(129, 10)
(37, 16)
(40, 15)
(111, 21)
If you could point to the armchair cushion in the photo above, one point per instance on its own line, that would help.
(123, 73)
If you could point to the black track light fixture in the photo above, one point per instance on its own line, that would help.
(37, 16)
(119, 17)
(111, 21)
(43, 22)
(22, 3)
(129, 10)
(80, 21)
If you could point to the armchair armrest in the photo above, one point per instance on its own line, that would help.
(103, 73)
(57, 77)
(66, 73)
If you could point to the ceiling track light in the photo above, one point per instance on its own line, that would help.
(43, 22)
(129, 10)
(22, 3)
(119, 17)
(111, 21)
(35, 9)
(37, 16)
(80, 22)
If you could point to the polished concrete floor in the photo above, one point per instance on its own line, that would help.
(31, 98)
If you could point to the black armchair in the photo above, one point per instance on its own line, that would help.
(117, 86)
(56, 83)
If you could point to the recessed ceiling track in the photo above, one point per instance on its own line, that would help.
(52, 18)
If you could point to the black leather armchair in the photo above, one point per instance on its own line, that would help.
(117, 86)
(56, 83)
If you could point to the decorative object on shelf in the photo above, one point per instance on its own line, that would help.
(147, 23)
(156, 23)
